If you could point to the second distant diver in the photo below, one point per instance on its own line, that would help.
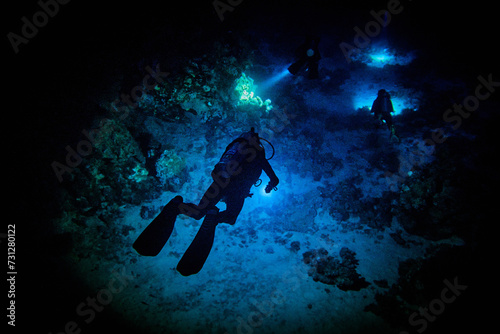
(382, 109)
(237, 171)
(307, 58)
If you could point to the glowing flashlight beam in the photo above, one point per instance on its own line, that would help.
(263, 86)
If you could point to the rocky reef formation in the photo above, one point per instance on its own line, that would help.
(332, 271)
(440, 199)
(133, 158)
(415, 300)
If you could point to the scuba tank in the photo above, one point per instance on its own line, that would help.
(234, 156)
(385, 104)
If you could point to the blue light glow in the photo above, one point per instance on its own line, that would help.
(263, 192)
(365, 98)
(379, 56)
(278, 76)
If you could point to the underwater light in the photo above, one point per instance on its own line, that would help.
(399, 103)
(263, 86)
(263, 192)
(380, 58)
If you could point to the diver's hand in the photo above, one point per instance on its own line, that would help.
(272, 185)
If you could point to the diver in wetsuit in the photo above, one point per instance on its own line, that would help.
(238, 169)
(308, 58)
(382, 109)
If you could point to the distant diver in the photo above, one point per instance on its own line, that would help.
(308, 58)
(382, 109)
(238, 169)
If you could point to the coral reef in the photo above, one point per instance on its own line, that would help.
(434, 202)
(170, 170)
(246, 96)
(345, 201)
(114, 175)
(140, 174)
(204, 87)
(330, 270)
(421, 281)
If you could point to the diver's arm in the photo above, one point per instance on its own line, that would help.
(391, 108)
(374, 106)
(270, 173)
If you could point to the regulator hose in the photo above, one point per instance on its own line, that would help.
(267, 141)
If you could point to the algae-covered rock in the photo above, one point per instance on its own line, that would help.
(114, 175)
(171, 170)
(421, 283)
(437, 201)
(330, 270)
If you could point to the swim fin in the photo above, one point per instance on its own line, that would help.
(394, 137)
(193, 260)
(151, 241)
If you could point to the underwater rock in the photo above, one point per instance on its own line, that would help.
(381, 283)
(439, 200)
(148, 212)
(420, 282)
(289, 219)
(330, 163)
(140, 174)
(398, 239)
(295, 246)
(114, 175)
(126, 229)
(330, 270)
(204, 85)
(386, 159)
(171, 170)
(344, 201)
(163, 102)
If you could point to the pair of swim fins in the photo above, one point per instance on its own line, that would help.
(151, 241)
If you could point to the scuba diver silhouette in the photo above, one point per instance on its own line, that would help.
(239, 168)
(308, 58)
(382, 109)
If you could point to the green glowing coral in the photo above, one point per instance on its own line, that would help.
(245, 91)
(140, 174)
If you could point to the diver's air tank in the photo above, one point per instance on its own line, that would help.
(230, 161)
(233, 158)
